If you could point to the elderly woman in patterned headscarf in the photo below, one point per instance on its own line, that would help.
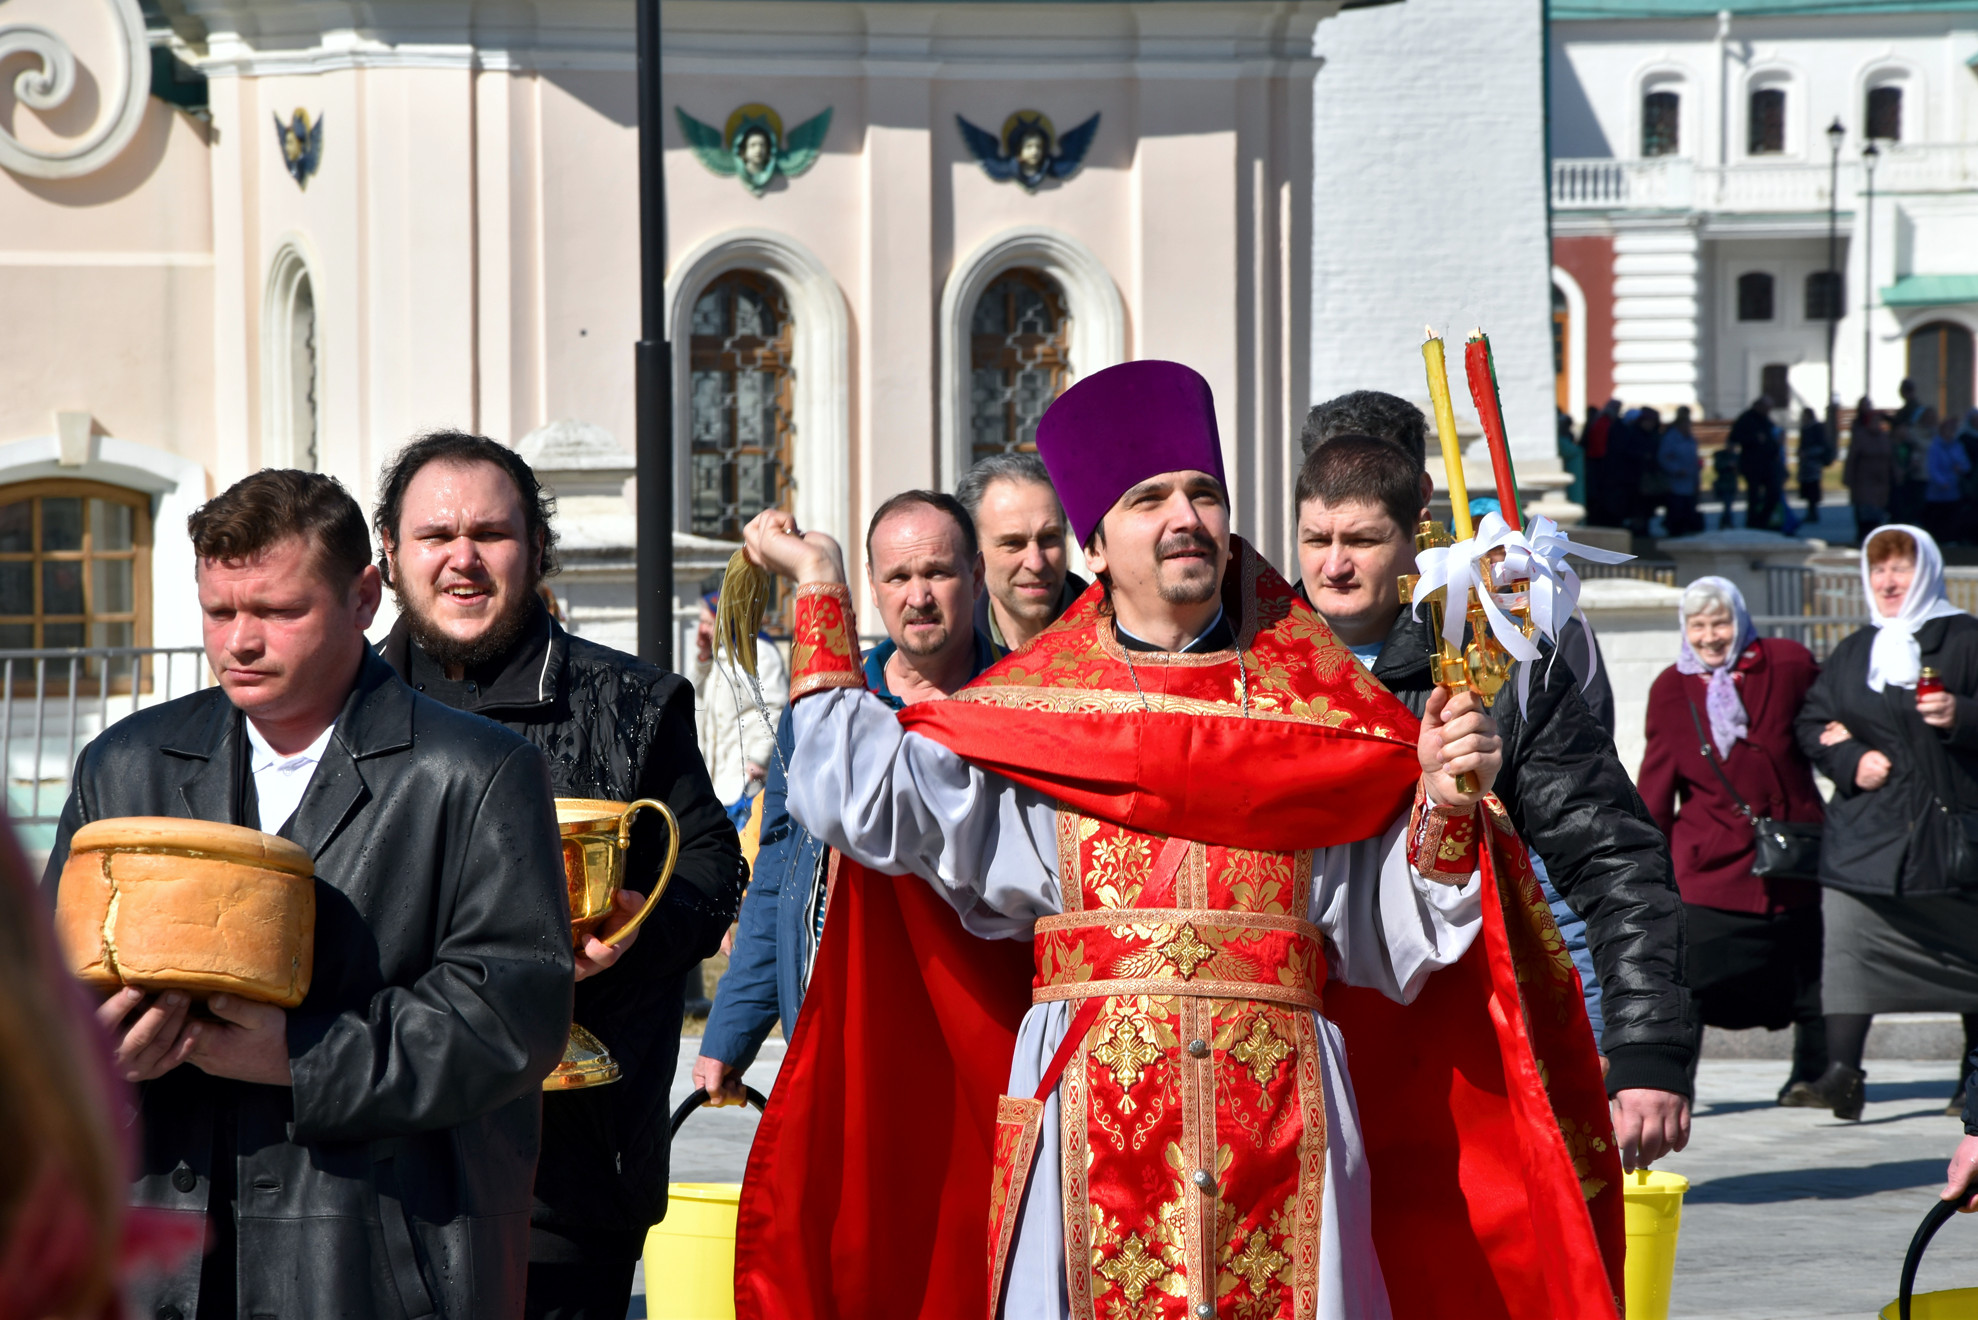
(1900, 907)
(1721, 749)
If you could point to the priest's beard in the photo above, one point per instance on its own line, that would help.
(495, 641)
(1185, 581)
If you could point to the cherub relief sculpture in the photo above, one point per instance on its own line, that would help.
(753, 146)
(302, 145)
(1029, 151)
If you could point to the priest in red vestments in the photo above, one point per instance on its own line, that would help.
(1171, 971)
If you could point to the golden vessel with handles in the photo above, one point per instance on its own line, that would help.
(596, 836)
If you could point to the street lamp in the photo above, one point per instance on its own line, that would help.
(1835, 134)
(1869, 155)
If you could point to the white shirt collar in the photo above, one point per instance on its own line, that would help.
(267, 758)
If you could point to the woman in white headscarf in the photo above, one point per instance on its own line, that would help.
(1901, 905)
(1720, 734)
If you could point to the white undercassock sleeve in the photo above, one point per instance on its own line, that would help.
(1388, 927)
(900, 803)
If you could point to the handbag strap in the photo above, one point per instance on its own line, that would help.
(1710, 755)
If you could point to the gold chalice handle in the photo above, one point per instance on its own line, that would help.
(624, 932)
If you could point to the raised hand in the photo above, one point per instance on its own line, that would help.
(772, 542)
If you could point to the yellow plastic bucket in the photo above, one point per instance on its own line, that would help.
(1653, 1203)
(690, 1255)
(1954, 1304)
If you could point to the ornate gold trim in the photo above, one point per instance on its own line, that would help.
(1219, 918)
(1239, 991)
(1074, 1156)
(1312, 1170)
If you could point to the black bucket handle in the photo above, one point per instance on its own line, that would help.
(699, 1098)
(1939, 1213)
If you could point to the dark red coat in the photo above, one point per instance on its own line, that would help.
(1709, 839)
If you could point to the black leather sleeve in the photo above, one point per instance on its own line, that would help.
(1574, 804)
(488, 1021)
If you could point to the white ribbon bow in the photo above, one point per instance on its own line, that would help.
(1454, 569)
(1540, 555)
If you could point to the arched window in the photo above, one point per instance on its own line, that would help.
(1660, 123)
(1019, 360)
(290, 366)
(1755, 296)
(1884, 113)
(1826, 295)
(740, 412)
(1765, 126)
(75, 565)
(1940, 362)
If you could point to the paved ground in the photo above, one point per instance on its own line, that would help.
(1794, 1214)
(1791, 1215)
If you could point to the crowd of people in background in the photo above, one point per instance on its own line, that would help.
(1908, 465)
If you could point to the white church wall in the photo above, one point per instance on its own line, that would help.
(1429, 206)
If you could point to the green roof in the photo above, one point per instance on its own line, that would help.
(1572, 9)
(1931, 290)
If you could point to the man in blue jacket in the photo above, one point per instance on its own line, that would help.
(926, 571)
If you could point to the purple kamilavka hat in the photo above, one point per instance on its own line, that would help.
(1118, 427)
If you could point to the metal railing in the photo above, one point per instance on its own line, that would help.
(1818, 633)
(53, 702)
(1642, 570)
(1678, 183)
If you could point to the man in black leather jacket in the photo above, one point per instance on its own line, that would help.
(467, 539)
(1566, 791)
(369, 1152)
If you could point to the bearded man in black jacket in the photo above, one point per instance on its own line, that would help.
(467, 540)
(1358, 500)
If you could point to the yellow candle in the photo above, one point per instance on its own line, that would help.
(1445, 429)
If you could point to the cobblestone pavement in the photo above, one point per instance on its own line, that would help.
(1791, 1215)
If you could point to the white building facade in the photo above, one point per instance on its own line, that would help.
(1696, 187)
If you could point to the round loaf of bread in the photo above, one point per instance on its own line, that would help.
(168, 904)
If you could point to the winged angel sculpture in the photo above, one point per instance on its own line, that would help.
(754, 146)
(1029, 150)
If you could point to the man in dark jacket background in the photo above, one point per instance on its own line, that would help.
(466, 534)
(1567, 793)
(369, 1152)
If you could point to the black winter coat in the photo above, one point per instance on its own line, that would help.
(393, 1179)
(1576, 807)
(612, 727)
(1866, 847)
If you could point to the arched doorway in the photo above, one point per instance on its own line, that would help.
(1940, 362)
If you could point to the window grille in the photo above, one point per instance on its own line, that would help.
(740, 411)
(1884, 117)
(1660, 113)
(1019, 358)
(1826, 295)
(1765, 134)
(75, 567)
(1755, 296)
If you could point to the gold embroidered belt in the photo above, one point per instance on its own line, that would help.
(1177, 951)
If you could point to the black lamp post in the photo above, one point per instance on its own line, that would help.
(653, 364)
(1869, 155)
(1835, 133)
